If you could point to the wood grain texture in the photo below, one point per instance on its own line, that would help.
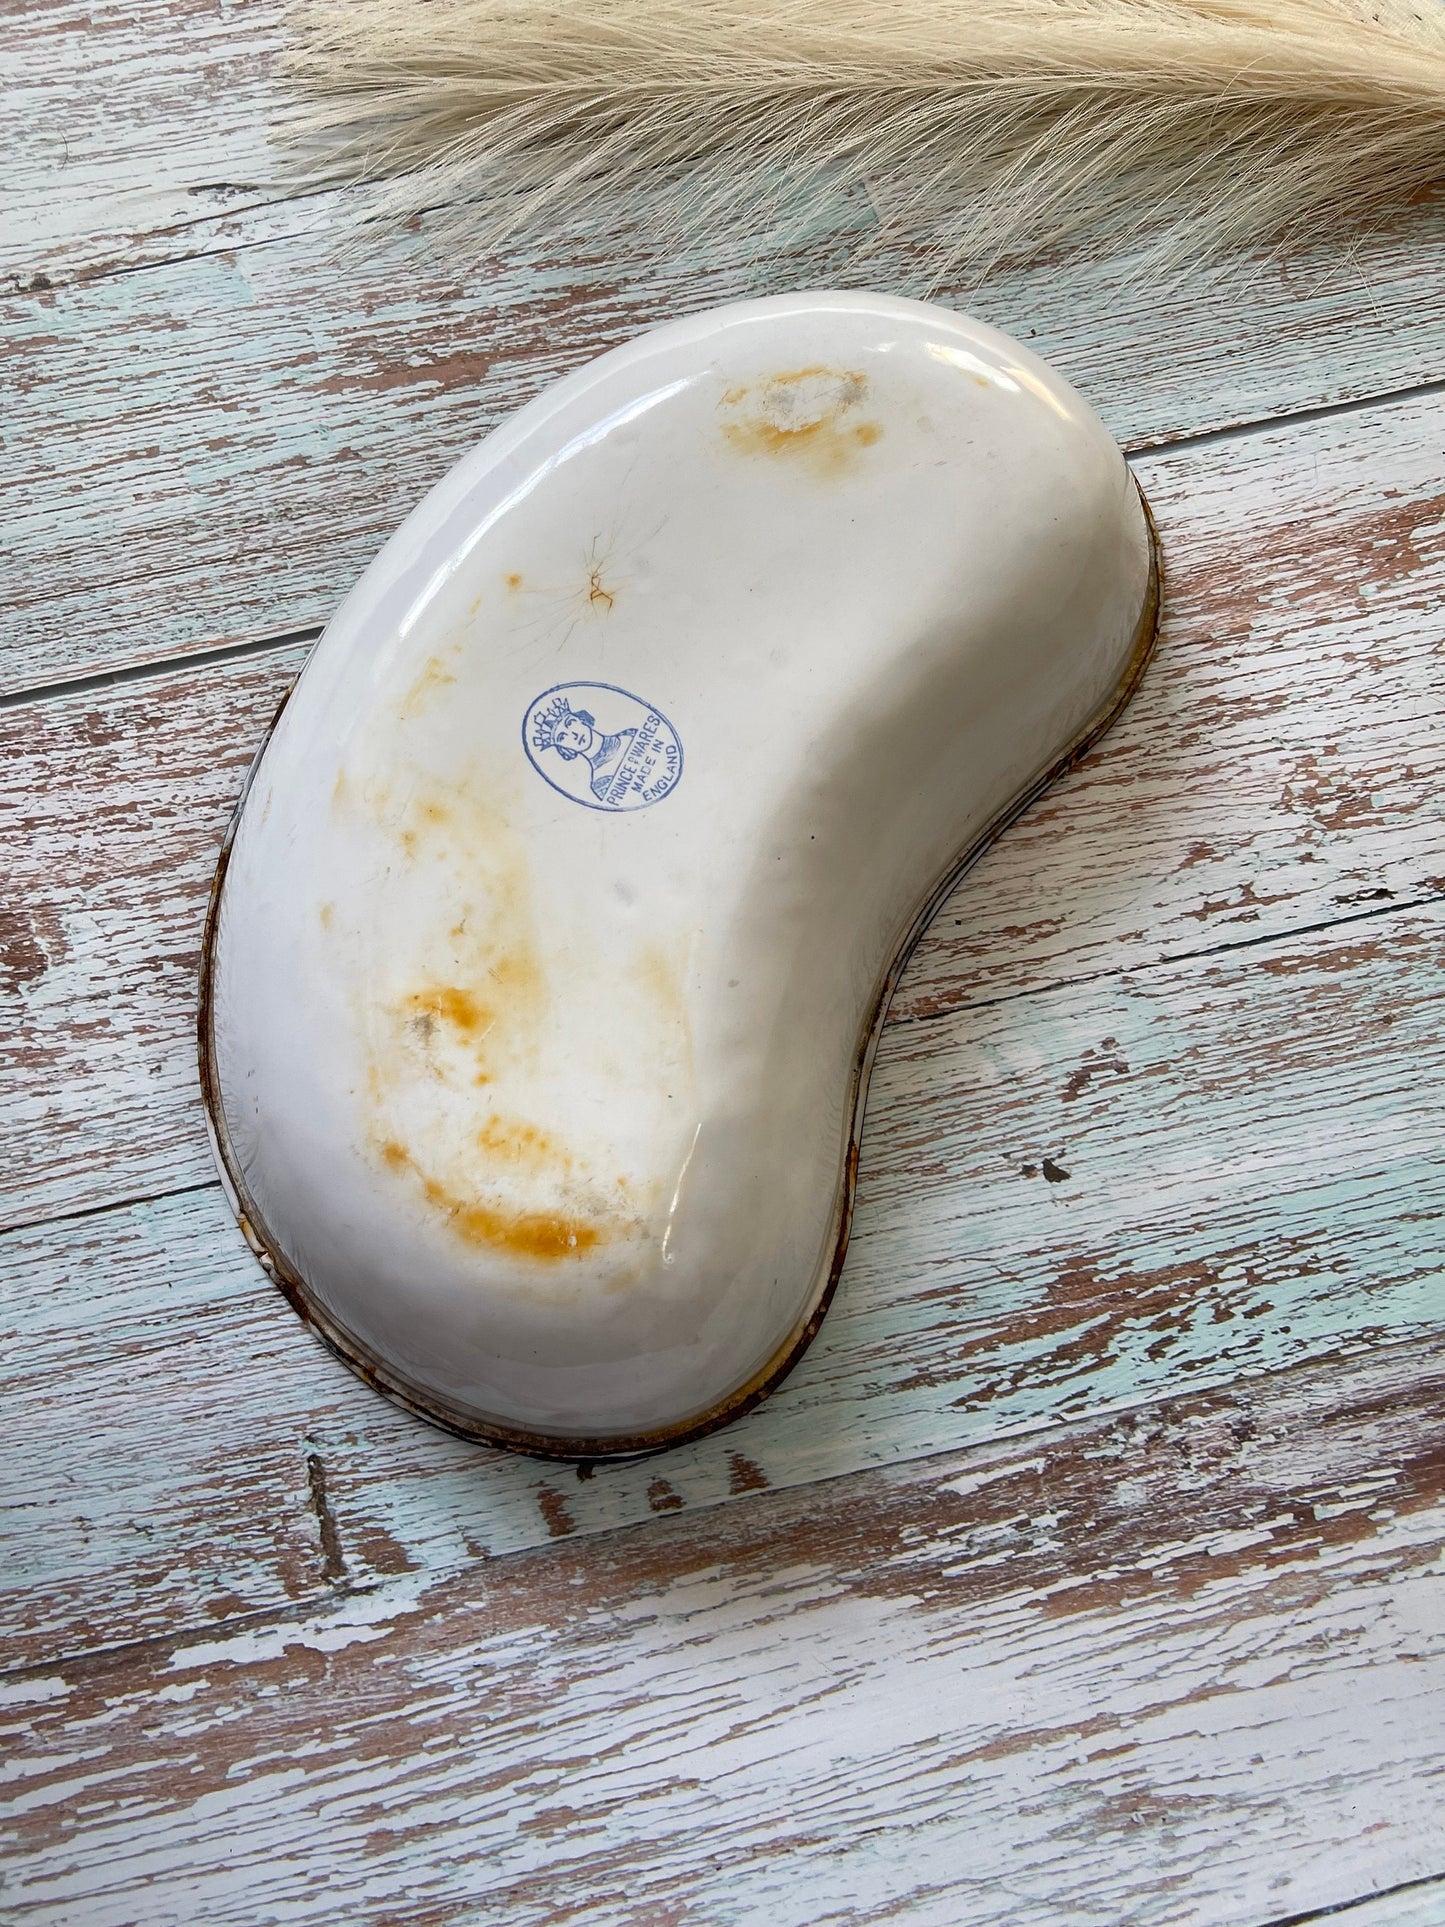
(1088, 1569)
(1412, 1904)
(162, 1498)
(1182, 1668)
(133, 132)
(115, 809)
(209, 451)
(137, 134)
(1282, 766)
(1070, 1202)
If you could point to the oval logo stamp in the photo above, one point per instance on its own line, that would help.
(603, 747)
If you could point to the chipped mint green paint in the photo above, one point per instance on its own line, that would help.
(1256, 785)
(256, 423)
(1251, 1191)
(272, 1650)
(1105, 1674)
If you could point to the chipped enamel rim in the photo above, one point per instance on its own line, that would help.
(381, 1376)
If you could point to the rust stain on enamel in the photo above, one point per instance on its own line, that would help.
(450, 1004)
(490, 1020)
(514, 1141)
(546, 1235)
(805, 415)
(496, 1181)
(460, 1044)
(433, 675)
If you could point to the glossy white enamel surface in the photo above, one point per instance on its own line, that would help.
(537, 1069)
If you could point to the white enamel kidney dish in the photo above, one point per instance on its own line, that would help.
(556, 926)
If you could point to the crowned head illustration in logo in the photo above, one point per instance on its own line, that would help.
(601, 746)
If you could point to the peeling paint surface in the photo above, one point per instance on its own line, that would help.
(1091, 1567)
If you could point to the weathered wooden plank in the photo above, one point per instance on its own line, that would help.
(137, 134)
(1071, 1202)
(162, 1497)
(1284, 765)
(210, 450)
(106, 816)
(1187, 1668)
(129, 126)
(1414, 1904)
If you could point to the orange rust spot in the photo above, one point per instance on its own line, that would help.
(513, 582)
(770, 438)
(492, 1007)
(451, 1004)
(805, 415)
(431, 812)
(433, 675)
(411, 820)
(546, 1236)
(517, 973)
(521, 1143)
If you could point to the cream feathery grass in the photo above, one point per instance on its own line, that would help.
(986, 127)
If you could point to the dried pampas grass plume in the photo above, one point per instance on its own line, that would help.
(986, 127)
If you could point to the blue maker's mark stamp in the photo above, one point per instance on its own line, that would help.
(601, 746)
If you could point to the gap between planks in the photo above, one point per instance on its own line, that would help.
(1410, 1903)
(1279, 770)
(1026, 1449)
(1158, 1632)
(26, 695)
(1046, 987)
(1285, 1219)
(253, 429)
